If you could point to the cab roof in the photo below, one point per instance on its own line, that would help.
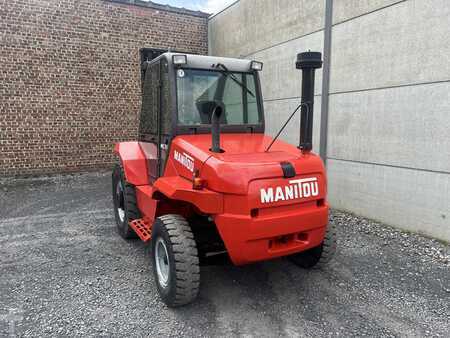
(209, 62)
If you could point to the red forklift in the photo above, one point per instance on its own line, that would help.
(203, 181)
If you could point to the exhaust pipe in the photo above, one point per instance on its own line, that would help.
(215, 129)
(308, 62)
(212, 111)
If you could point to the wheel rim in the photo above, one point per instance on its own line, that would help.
(120, 202)
(162, 262)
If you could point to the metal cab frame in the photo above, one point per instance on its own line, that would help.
(157, 65)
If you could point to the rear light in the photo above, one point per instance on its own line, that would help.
(197, 182)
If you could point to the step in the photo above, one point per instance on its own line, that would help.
(143, 228)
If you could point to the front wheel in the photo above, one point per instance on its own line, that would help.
(319, 256)
(175, 260)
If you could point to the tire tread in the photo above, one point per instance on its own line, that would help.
(186, 259)
(131, 210)
(318, 257)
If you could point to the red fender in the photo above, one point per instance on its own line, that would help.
(134, 162)
(179, 188)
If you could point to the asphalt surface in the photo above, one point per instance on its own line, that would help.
(65, 271)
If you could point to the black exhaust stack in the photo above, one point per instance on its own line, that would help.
(308, 62)
(212, 112)
(215, 129)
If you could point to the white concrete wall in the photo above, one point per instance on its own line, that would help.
(251, 25)
(388, 149)
(274, 31)
(389, 113)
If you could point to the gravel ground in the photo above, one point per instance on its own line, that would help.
(65, 271)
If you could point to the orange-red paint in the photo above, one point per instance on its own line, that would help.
(143, 228)
(251, 229)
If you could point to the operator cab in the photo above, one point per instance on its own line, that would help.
(180, 92)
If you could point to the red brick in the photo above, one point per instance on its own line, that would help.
(70, 81)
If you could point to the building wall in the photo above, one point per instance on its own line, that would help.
(388, 140)
(70, 77)
(272, 32)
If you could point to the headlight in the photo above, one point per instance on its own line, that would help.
(256, 65)
(179, 60)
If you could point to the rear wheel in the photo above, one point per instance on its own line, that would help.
(124, 199)
(175, 260)
(319, 256)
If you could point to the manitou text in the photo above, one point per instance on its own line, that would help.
(300, 188)
(185, 160)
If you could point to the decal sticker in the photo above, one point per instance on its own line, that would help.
(184, 159)
(300, 188)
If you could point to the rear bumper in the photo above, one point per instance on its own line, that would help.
(272, 234)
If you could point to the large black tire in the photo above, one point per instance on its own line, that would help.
(124, 200)
(319, 256)
(174, 252)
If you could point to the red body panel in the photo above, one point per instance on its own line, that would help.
(134, 161)
(146, 204)
(259, 213)
(179, 188)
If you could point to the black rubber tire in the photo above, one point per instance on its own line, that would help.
(319, 256)
(129, 203)
(184, 269)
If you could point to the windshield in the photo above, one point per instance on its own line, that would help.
(236, 91)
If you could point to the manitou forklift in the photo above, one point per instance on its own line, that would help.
(203, 180)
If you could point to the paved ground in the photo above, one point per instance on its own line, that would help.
(65, 271)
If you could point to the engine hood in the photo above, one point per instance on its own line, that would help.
(243, 161)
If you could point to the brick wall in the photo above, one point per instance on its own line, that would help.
(70, 81)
